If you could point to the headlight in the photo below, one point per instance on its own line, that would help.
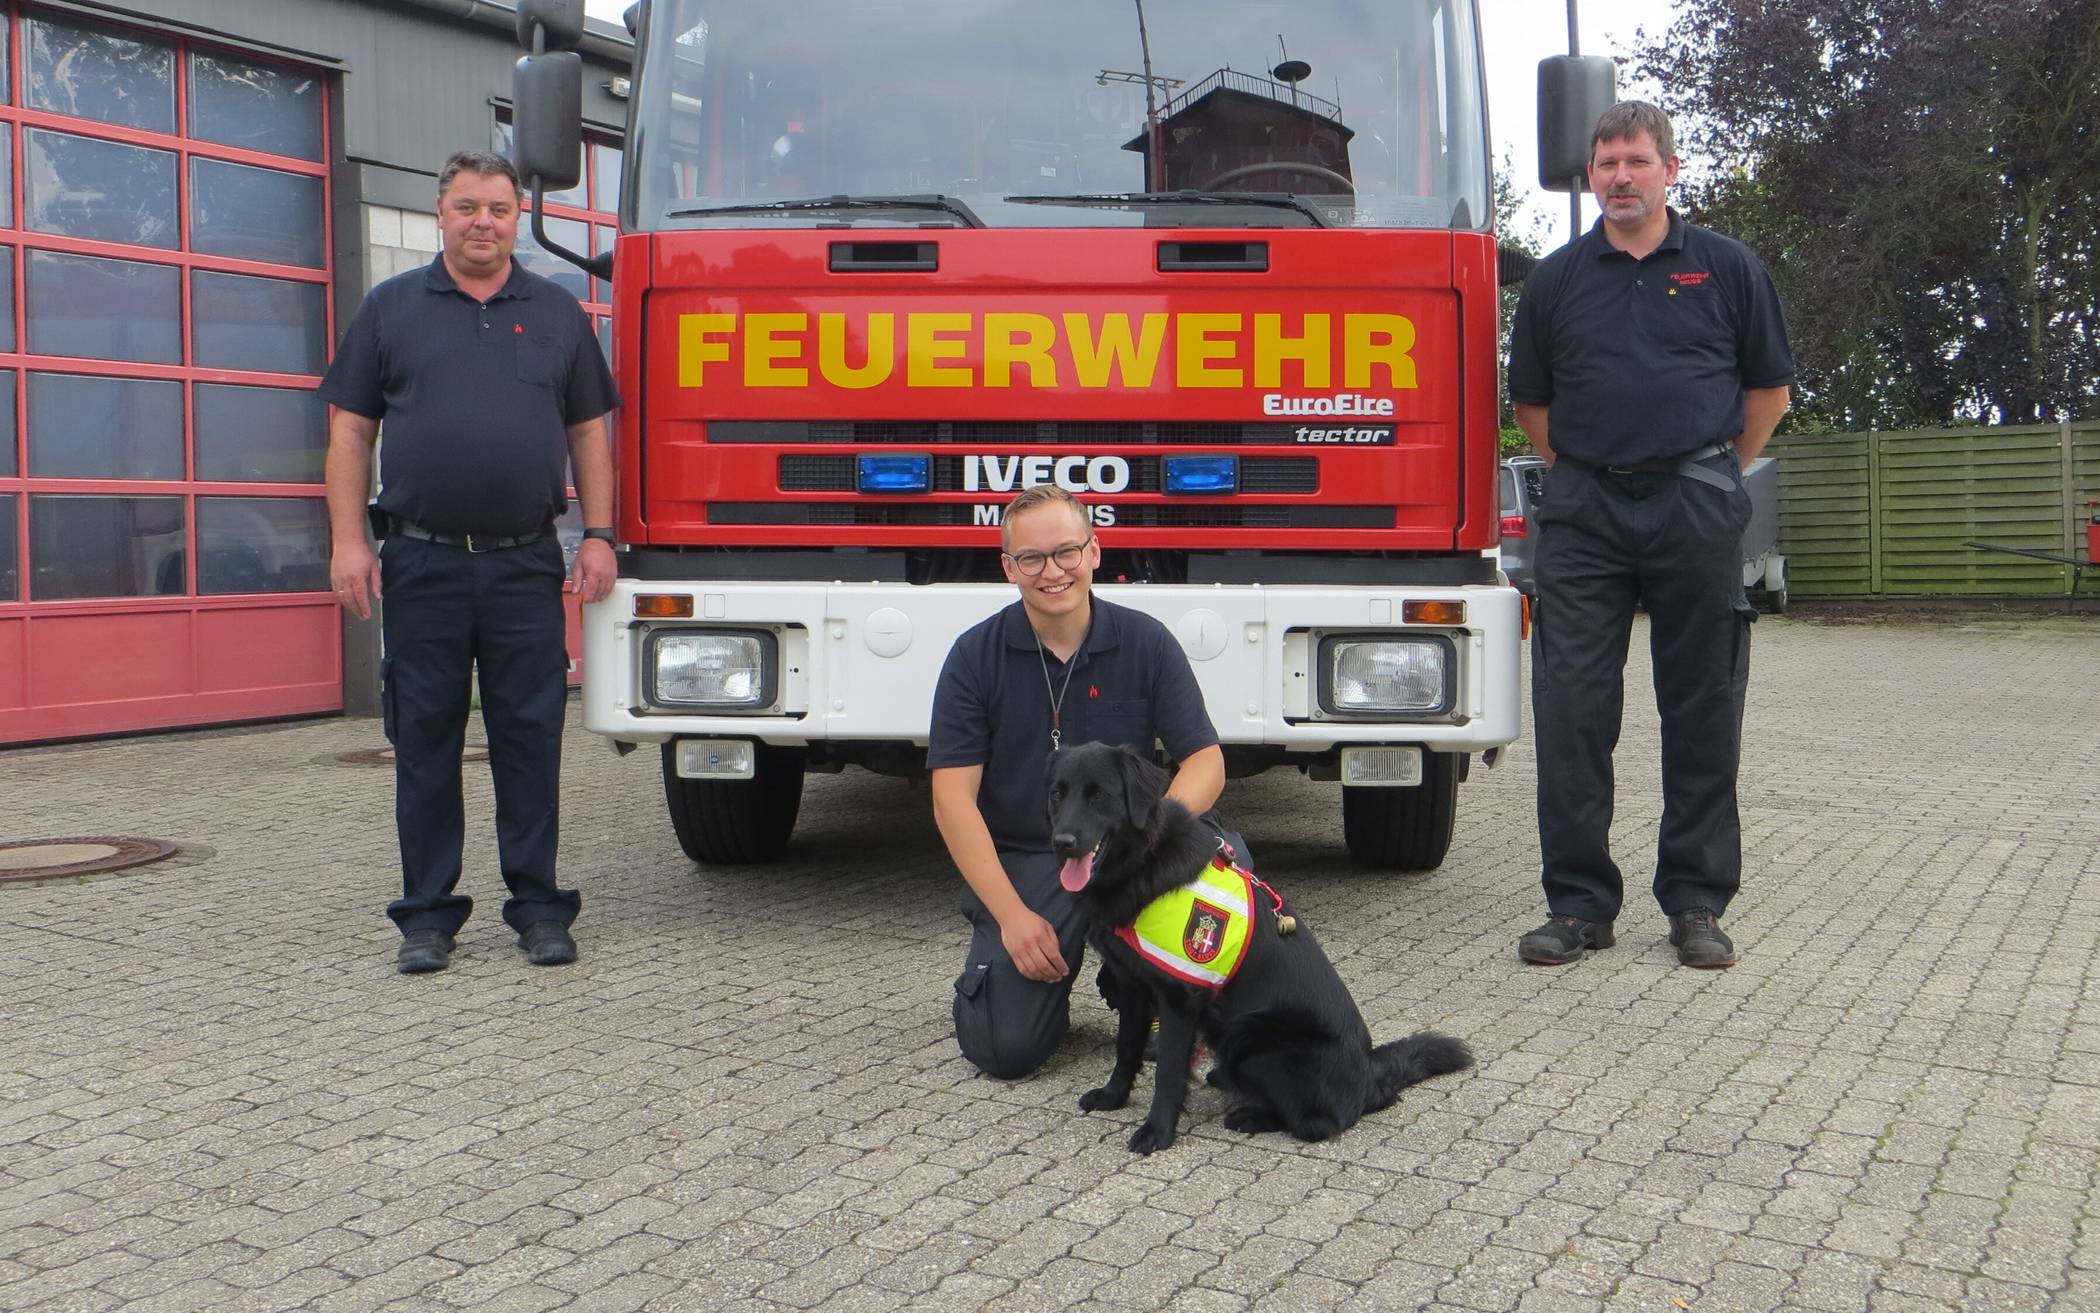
(1365, 676)
(715, 669)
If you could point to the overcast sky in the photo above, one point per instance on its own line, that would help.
(1517, 34)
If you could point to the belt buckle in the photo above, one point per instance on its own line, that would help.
(469, 540)
(1620, 469)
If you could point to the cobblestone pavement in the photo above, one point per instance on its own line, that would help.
(216, 1094)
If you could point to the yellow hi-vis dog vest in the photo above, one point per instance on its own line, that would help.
(1198, 933)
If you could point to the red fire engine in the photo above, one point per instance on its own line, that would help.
(885, 263)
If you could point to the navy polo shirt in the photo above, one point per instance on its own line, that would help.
(1646, 359)
(1130, 684)
(477, 398)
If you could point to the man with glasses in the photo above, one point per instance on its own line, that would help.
(1058, 667)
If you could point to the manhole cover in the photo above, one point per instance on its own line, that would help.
(45, 859)
(385, 756)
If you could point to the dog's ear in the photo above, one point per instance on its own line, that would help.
(1140, 790)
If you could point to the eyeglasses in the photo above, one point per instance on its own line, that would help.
(1032, 563)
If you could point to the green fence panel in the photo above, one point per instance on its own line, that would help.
(1888, 514)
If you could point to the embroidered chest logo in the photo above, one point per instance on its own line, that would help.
(1697, 279)
(1204, 936)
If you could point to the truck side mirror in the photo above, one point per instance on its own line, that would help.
(1574, 91)
(547, 119)
(559, 21)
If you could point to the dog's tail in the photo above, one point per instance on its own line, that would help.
(1410, 1061)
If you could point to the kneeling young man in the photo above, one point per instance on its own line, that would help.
(1057, 666)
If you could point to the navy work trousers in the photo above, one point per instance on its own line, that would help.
(449, 614)
(1673, 545)
(1006, 1024)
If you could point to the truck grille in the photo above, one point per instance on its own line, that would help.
(1267, 474)
(1048, 433)
(952, 515)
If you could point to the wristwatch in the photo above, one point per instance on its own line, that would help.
(602, 535)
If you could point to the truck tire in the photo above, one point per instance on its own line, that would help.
(1404, 829)
(736, 822)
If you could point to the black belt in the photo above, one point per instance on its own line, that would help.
(473, 542)
(1685, 466)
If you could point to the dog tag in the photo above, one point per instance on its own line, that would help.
(1286, 924)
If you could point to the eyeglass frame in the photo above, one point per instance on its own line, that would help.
(1077, 549)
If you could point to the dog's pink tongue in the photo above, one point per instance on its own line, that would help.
(1076, 871)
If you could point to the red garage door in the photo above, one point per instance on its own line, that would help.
(164, 276)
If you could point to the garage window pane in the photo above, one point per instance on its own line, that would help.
(7, 423)
(570, 233)
(260, 435)
(601, 288)
(7, 298)
(102, 190)
(10, 560)
(7, 157)
(255, 107)
(105, 547)
(81, 305)
(266, 324)
(94, 73)
(85, 427)
(262, 545)
(605, 177)
(255, 214)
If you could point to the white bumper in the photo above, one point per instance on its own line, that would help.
(859, 661)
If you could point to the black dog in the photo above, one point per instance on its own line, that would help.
(1291, 1051)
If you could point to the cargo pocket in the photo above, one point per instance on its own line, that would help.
(386, 697)
(973, 1023)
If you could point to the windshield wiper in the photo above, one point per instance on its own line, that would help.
(1277, 200)
(945, 204)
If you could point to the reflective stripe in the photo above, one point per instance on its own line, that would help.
(1172, 963)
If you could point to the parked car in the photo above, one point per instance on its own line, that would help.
(1523, 486)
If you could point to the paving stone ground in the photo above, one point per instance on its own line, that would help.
(216, 1094)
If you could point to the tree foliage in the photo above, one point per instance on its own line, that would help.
(1512, 232)
(1923, 179)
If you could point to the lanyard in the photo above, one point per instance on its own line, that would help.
(1057, 695)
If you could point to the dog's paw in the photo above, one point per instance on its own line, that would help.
(1105, 1099)
(1251, 1121)
(1151, 1139)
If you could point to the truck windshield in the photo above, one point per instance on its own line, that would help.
(1033, 113)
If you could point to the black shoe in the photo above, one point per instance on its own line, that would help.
(548, 944)
(423, 950)
(1564, 939)
(1697, 937)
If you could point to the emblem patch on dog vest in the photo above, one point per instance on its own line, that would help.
(1204, 936)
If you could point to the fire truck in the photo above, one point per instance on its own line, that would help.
(1226, 271)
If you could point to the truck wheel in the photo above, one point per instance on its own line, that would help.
(1404, 829)
(736, 822)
